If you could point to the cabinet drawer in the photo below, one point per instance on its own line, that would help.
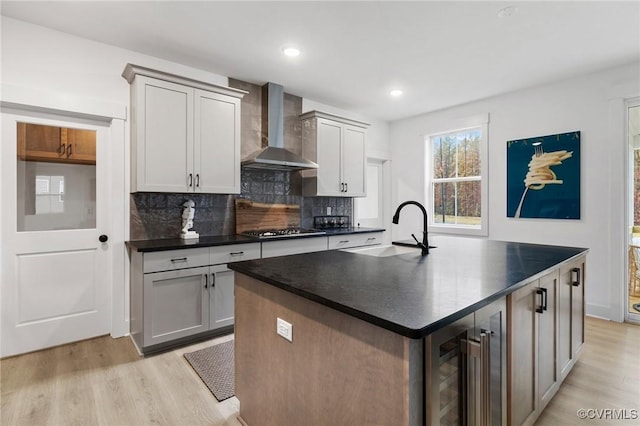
(354, 240)
(235, 253)
(293, 246)
(175, 259)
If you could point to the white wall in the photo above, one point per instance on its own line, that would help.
(592, 104)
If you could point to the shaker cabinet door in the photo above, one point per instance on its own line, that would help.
(163, 136)
(176, 304)
(354, 161)
(216, 143)
(329, 158)
(221, 297)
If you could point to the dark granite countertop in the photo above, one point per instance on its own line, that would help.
(179, 243)
(410, 294)
(221, 240)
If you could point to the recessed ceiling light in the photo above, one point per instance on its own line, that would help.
(507, 12)
(395, 93)
(291, 51)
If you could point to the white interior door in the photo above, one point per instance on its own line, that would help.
(56, 280)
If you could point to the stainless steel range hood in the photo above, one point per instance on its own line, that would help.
(275, 156)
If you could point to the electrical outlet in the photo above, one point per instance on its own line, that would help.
(284, 329)
(328, 210)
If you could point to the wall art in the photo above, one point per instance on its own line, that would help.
(543, 177)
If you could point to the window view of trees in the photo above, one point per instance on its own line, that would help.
(456, 178)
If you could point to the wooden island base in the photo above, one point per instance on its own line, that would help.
(337, 370)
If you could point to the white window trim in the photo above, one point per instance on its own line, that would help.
(458, 229)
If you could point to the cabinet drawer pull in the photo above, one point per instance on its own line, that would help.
(575, 282)
(343, 242)
(236, 253)
(541, 292)
(179, 259)
(371, 238)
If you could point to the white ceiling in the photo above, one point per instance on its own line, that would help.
(440, 53)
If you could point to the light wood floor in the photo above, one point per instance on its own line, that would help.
(607, 376)
(102, 381)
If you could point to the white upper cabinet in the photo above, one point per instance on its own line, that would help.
(338, 145)
(185, 134)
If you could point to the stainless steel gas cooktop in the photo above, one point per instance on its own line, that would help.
(285, 232)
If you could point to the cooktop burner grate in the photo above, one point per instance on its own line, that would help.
(285, 232)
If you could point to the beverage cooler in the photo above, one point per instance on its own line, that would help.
(466, 370)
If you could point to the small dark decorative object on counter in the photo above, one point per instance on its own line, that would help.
(331, 222)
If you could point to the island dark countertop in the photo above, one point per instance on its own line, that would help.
(409, 294)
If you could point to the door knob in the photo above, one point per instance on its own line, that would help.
(103, 238)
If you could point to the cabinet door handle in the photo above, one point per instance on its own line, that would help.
(179, 259)
(236, 253)
(206, 280)
(213, 280)
(62, 149)
(544, 295)
(540, 308)
(190, 180)
(575, 282)
(341, 186)
(346, 187)
(485, 378)
(197, 180)
(69, 151)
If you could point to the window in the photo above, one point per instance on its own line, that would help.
(455, 165)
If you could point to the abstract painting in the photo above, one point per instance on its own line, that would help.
(543, 177)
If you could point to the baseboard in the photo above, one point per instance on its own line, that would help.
(598, 311)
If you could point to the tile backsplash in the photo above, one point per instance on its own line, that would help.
(159, 215)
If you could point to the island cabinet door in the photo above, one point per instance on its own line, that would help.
(221, 297)
(570, 314)
(533, 348)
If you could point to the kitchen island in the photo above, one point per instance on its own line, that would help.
(359, 324)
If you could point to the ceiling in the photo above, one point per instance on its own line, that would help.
(440, 54)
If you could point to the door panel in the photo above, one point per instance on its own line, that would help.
(329, 157)
(353, 166)
(55, 273)
(222, 291)
(39, 300)
(164, 137)
(217, 147)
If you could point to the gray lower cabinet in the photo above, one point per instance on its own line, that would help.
(221, 296)
(179, 294)
(176, 304)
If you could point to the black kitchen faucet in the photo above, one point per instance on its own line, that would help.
(424, 245)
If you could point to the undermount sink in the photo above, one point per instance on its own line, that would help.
(384, 251)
